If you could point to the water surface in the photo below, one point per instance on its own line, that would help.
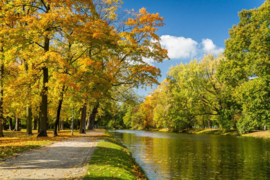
(191, 156)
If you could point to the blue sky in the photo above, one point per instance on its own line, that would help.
(192, 27)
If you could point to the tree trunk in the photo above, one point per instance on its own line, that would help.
(39, 118)
(203, 126)
(72, 122)
(44, 96)
(62, 124)
(28, 107)
(5, 124)
(209, 124)
(59, 111)
(38, 124)
(10, 123)
(29, 121)
(35, 123)
(93, 117)
(1, 93)
(88, 120)
(58, 127)
(78, 124)
(83, 117)
(17, 124)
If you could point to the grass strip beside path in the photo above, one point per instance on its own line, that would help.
(111, 160)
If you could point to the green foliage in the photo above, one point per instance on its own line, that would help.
(248, 47)
(254, 95)
(228, 91)
(245, 124)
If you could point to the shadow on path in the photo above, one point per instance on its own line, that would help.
(60, 160)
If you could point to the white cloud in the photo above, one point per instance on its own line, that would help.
(179, 47)
(210, 48)
(186, 48)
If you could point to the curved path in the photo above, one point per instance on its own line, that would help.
(62, 160)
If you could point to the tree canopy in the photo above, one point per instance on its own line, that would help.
(60, 55)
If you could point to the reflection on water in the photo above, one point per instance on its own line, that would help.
(191, 156)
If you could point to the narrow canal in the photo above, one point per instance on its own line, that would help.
(191, 156)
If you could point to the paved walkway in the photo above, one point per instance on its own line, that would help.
(61, 160)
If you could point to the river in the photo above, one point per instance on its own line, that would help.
(165, 155)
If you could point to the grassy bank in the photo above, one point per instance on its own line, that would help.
(17, 141)
(202, 131)
(213, 131)
(112, 160)
(258, 134)
(255, 133)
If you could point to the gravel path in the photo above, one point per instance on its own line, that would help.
(61, 160)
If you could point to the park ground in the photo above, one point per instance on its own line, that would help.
(94, 155)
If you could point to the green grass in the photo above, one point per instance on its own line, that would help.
(219, 132)
(112, 160)
(258, 134)
(213, 131)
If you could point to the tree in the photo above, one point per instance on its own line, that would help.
(202, 91)
(1, 91)
(75, 51)
(247, 66)
(247, 49)
(122, 62)
(254, 98)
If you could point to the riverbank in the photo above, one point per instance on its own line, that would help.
(111, 160)
(202, 131)
(213, 131)
(255, 133)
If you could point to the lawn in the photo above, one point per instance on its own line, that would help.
(112, 160)
(258, 134)
(218, 132)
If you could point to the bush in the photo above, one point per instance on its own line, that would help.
(244, 125)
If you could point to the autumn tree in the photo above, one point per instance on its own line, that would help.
(122, 62)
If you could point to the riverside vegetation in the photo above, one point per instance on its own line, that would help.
(73, 64)
(225, 92)
(70, 61)
(64, 64)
